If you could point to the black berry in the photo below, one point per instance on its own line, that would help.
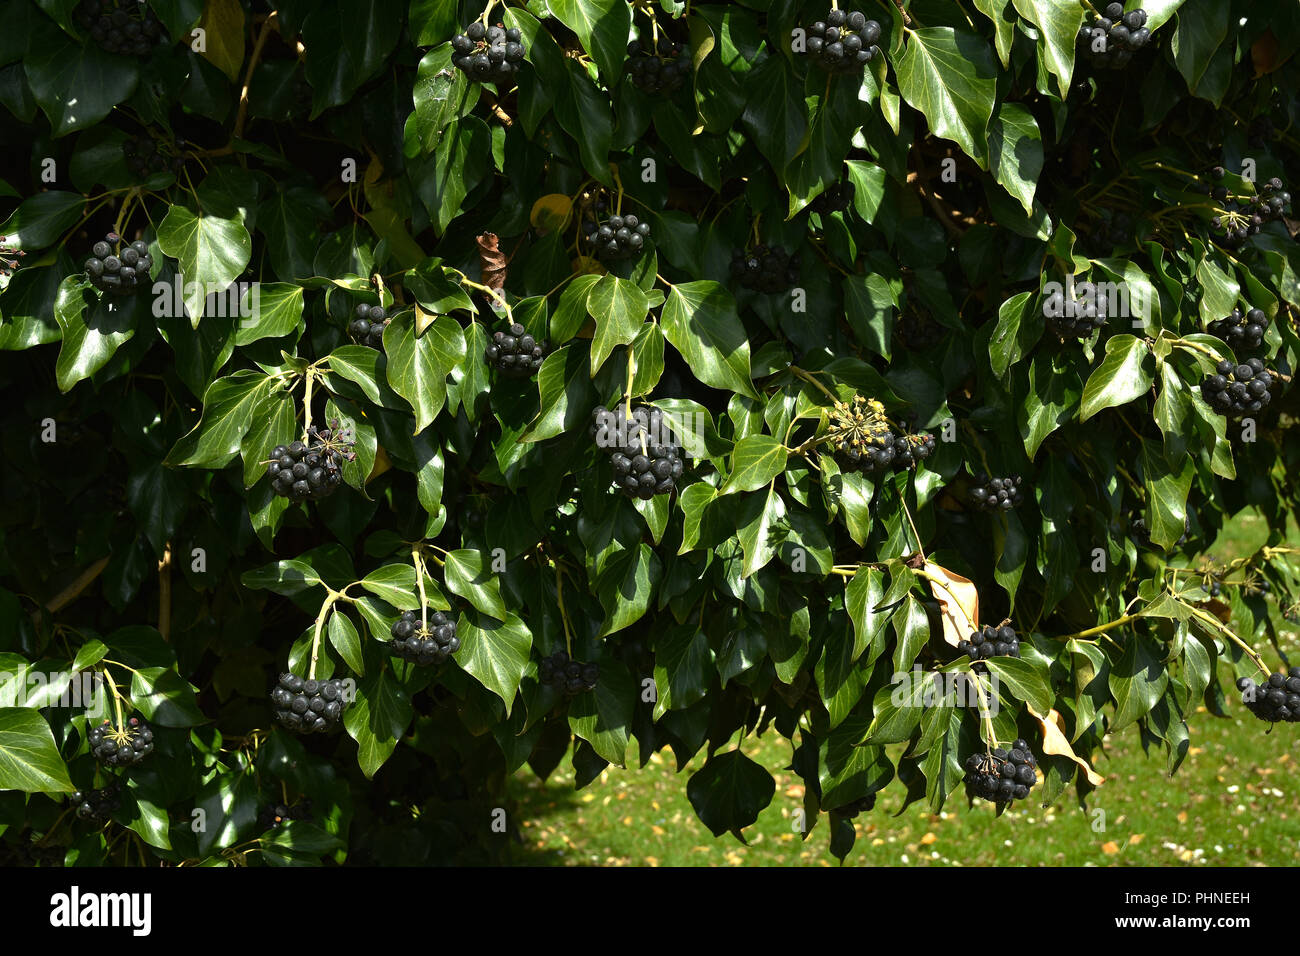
(660, 67)
(122, 746)
(313, 469)
(424, 643)
(488, 54)
(765, 269)
(368, 325)
(514, 353)
(997, 494)
(119, 268)
(643, 452)
(308, 706)
(844, 42)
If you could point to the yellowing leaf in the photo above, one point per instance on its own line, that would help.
(551, 212)
(223, 27)
(1110, 848)
(959, 602)
(1055, 742)
(423, 319)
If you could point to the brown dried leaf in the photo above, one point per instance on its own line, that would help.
(1056, 743)
(1263, 53)
(492, 261)
(959, 602)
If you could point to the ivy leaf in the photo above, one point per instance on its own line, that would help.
(626, 586)
(418, 365)
(869, 304)
(343, 635)
(602, 26)
(1016, 151)
(230, 804)
(212, 251)
(347, 43)
(1137, 680)
(755, 461)
(41, 219)
(729, 792)
(603, 717)
(951, 77)
(442, 94)
(461, 159)
(1167, 484)
(700, 322)
(683, 668)
(223, 22)
(495, 653)
(165, 698)
(1120, 378)
(566, 394)
(1027, 680)
(1058, 30)
(76, 84)
(377, 719)
(619, 308)
(93, 330)
(29, 759)
(278, 311)
(396, 584)
(228, 410)
(759, 513)
(468, 574)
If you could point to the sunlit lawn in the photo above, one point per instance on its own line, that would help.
(1233, 802)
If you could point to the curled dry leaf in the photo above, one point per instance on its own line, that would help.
(959, 602)
(492, 261)
(1056, 743)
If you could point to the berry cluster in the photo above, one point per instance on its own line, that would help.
(661, 68)
(1241, 216)
(1241, 331)
(424, 643)
(569, 676)
(864, 443)
(765, 268)
(1276, 700)
(97, 804)
(1120, 34)
(144, 158)
(126, 27)
(368, 324)
(835, 198)
(644, 453)
(271, 817)
(515, 353)
(997, 494)
(988, 642)
(1002, 776)
(844, 42)
(618, 237)
(118, 268)
(1080, 318)
(121, 747)
(488, 54)
(1238, 390)
(311, 469)
(308, 706)
(9, 256)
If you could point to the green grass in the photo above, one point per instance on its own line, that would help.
(1232, 803)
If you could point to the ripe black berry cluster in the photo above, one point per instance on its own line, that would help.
(514, 353)
(144, 158)
(1242, 216)
(618, 237)
(1241, 331)
(121, 746)
(1002, 776)
(1110, 41)
(270, 817)
(430, 642)
(997, 494)
(765, 268)
(97, 804)
(1237, 390)
(860, 435)
(569, 676)
(990, 641)
(9, 256)
(119, 268)
(844, 42)
(835, 198)
(661, 67)
(126, 27)
(489, 54)
(1276, 700)
(308, 706)
(311, 469)
(645, 454)
(1077, 319)
(368, 324)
